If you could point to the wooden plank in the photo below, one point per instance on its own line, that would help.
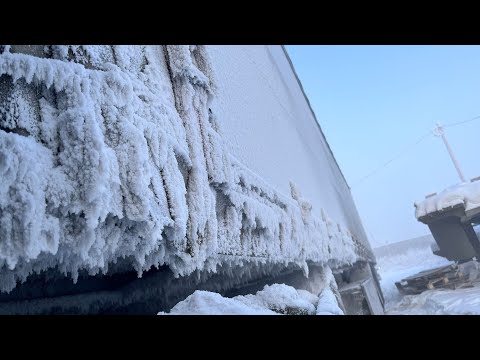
(448, 276)
(373, 300)
(428, 273)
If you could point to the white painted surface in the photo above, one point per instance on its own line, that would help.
(269, 126)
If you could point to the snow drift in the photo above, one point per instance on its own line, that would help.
(272, 300)
(113, 155)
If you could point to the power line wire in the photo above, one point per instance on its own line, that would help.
(409, 148)
(461, 122)
(423, 137)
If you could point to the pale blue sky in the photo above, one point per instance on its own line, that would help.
(374, 101)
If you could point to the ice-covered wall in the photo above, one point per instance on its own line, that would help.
(157, 155)
(272, 130)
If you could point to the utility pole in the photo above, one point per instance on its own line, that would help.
(438, 131)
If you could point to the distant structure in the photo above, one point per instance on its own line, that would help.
(400, 247)
(451, 216)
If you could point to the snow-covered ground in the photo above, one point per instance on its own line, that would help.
(437, 302)
(272, 300)
(320, 299)
(440, 302)
(283, 299)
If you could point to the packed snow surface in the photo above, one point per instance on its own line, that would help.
(431, 302)
(464, 301)
(272, 300)
(111, 157)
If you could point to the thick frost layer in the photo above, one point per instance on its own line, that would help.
(467, 194)
(112, 152)
(272, 300)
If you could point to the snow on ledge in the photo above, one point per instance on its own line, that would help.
(467, 194)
